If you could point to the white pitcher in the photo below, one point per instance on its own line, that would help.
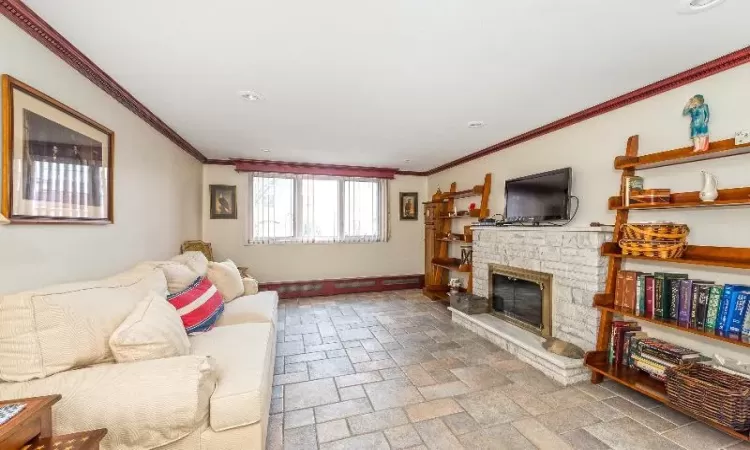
(709, 192)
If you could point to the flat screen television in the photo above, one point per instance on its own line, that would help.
(538, 198)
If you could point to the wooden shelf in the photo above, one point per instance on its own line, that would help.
(665, 323)
(727, 197)
(646, 385)
(718, 149)
(463, 215)
(696, 255)
(451, 264)
(476, 191)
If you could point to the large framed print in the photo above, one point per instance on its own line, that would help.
(57, 163)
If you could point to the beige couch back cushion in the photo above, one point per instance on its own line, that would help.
(67, 326)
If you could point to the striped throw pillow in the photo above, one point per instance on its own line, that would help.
(199, 305)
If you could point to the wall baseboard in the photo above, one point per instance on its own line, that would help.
(316, 288)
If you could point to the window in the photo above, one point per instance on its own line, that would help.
(310, 209)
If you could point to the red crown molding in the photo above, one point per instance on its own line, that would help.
(26, 19)
(697, 73)
(232, 162)
(255, 165)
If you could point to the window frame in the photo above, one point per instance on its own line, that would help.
(382, 212)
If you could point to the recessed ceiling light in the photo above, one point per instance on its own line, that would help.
(265, 150)
(696, 6)
(476, 124)
(250, 96)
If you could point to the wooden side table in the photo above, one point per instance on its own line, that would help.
(31, 429)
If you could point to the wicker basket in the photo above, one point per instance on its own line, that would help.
(653, 249)
(711, 394)
(655, 231)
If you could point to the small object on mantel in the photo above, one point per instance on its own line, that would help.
(709, 193)
(469, 303)
(699, 114)
(563, 348)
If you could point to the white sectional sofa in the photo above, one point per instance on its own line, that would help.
(55, 341)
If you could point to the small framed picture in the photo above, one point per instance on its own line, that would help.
(223, 201)
(408, 205)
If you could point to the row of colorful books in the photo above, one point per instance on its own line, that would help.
(697, 304)
(631, 347)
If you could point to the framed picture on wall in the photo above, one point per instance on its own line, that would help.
(57, 163)
(408, 205)
(223, 201)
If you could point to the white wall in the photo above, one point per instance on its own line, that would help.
(157, 185)
(403, 254)
(591, 146)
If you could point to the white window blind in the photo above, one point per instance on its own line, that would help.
(287, 208)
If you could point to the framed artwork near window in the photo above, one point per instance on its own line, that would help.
(223, 201)
(408, 205)
(57, 163)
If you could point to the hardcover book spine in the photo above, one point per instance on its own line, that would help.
(640, 297)
(726, 300)
(674, 299)
(658, 296)
(738, 315)
(700, 313)
(714, 301)
(686, 295)
(630, 291)
(694, 307)
(650, 297)
(619, 288)
(746, 327)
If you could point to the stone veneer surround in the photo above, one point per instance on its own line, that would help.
(570, 254)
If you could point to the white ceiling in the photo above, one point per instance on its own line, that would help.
(377, 82)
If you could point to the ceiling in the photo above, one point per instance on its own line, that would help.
(379, 82)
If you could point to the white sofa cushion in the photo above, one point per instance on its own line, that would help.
(259, 308)
(142, 404)
(197, 262)
(179, 276)
(153, 330)
(227, 279)
(67, 326)
(244, 356)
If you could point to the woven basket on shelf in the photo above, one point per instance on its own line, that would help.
(711, 394)
(655, 231)
(653, 249)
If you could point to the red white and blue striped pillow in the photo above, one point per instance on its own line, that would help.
(199, 305)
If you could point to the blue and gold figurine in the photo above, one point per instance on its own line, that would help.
(697, 109)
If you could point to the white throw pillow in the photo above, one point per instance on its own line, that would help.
(227, 279)
(179, 276)
(251, 286)
(195, 260)
(153, 330)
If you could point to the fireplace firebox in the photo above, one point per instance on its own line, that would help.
(522, 297)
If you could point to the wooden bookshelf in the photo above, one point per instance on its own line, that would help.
(729, 257)
(695, 255)
(718, 149)
(439, 222)
(727, 197)
(646, 385)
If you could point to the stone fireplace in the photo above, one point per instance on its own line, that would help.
(539, 282)
(522, 297)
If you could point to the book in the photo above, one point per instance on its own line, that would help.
(726, 299)
(674, 298)
(620, 341)
(746, 329)
(666, 292)
(685, 301)
(737, 320)
(649, 296)
(634, 336)
(702, 306)
(631, 183)
(640, 294)
(657, 360)
(619, 288)
(730, 307)
(667, 351)
(714, 302)
(617, 324)
(658, 289)
(628, 299)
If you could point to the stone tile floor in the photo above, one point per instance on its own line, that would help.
(380, 371)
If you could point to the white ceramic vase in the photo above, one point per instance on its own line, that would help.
(709, 193)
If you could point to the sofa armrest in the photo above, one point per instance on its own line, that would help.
(143, 404)
(251, 286)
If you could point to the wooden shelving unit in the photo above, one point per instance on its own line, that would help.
(729, 257)
(439, 221)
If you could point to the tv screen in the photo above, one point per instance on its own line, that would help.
(537, 198)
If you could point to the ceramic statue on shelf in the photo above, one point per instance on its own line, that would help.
(455, 285)
(709, 193)
(697, 109)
